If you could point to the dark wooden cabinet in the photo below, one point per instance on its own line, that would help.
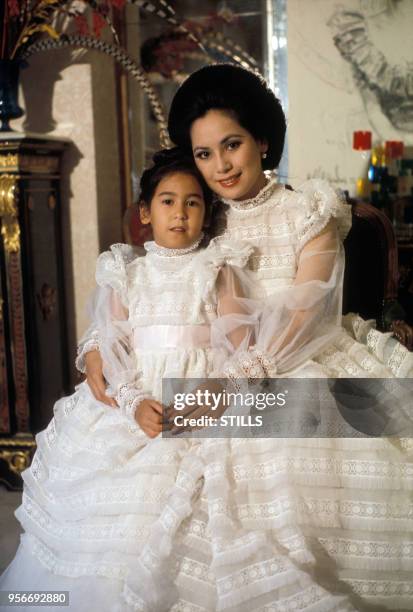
(33, 339)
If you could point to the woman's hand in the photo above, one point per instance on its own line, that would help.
(148, 415)
(95, 379)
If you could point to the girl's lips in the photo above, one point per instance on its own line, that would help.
(231, 181)
(178, 229)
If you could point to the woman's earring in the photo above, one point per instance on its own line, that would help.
(264, 155)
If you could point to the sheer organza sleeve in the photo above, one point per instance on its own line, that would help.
(108, 310)
(111, 267)
(292, 325)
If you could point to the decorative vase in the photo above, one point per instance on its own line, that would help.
(9, 92)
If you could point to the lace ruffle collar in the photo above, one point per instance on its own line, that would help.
(156, 249)
(262, 196)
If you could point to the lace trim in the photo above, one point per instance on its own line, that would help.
(264, 194)
(366, 548)
(129, 396)
(382, 588)
(262, 262)
(328, 466)
(185, 606)
(80, 531)
(323, 507)
(91, 344)
(258, 232)
(400, 361)
(313, 598)
(156, 249)
(76, 569)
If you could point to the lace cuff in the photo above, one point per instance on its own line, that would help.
(250, 365)
(91, 343)
(128, 397)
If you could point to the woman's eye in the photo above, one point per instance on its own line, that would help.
(202, 155)
(233, 145)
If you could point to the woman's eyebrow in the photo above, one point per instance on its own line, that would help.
(222, 142)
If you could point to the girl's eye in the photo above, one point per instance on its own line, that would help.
(192, 202)
(167, 201)
(233, 145)
(202, 155)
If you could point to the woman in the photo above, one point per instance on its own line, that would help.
(348, 502)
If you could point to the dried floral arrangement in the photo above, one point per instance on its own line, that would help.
(24, 22)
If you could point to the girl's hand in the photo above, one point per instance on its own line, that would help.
(148, 415)
(95, 380)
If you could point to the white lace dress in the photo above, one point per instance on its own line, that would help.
(124, 522)
(228, 524)
(347, 500)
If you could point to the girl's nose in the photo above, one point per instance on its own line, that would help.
(180, 211)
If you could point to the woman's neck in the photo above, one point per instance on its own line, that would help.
(255, 189)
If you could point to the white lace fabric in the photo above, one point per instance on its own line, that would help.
(233, 524)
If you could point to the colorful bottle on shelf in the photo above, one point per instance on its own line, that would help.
(362, 144)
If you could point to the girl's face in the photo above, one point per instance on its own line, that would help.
(176, 211)
(227, 155)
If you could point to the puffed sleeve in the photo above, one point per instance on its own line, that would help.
(108, 310)
(315, 203)
(296, 322)
(230, 254)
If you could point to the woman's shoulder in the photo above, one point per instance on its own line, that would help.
(313, 204)
(223, 251)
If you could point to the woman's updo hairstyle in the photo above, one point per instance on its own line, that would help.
(165, 162)
(236, 90)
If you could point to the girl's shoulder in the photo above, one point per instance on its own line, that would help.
(112, 265)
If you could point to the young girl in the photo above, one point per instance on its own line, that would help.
(351, 499)
(113, 513)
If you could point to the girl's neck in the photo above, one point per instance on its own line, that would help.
(162, 251)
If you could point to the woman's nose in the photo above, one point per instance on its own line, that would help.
(223, 163)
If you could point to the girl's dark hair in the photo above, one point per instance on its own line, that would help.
(169, 161)
(234, 89)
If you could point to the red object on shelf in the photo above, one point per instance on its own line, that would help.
(394, 149)
(362, 140)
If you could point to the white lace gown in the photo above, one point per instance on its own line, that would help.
(128, 523)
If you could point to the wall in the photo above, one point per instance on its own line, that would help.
(75, 97)
(330, 96)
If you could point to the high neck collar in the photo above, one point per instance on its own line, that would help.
(262, 196)
(156, 249)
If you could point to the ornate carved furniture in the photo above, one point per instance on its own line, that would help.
(371, 274)
(33, 345)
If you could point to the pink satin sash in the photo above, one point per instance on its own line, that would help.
(172, 336)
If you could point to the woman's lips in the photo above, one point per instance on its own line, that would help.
(230, 182)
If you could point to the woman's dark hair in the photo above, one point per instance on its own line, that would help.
(241, 92)
(169, 161)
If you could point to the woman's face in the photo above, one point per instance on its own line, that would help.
(227, 155)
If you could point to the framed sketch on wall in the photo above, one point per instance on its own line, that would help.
(349, 68)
